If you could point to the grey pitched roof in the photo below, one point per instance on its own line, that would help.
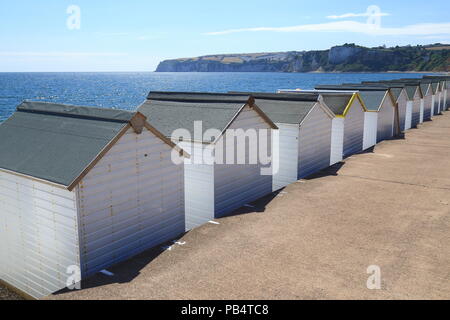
(170, 111)
(396, 87)
(444, 78)
(424, 88)
(372, 99)
(285, 107)
(355, 87)
(337, 102)
(434, 83)
(435, 86)
(411, 91)
(57, 142)
(293, 96)
(396, 92)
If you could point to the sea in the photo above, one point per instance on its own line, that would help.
(127, 90)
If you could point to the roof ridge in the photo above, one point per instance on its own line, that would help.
(81, 112)
(294, 96)
(206, 97)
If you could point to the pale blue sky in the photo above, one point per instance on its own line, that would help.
(134, 35)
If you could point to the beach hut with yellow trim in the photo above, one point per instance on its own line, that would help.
(348, 135)
(353, 121)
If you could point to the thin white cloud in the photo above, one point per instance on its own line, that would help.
(355, 15)
(423, 29)
(372, 11)
(61, 54)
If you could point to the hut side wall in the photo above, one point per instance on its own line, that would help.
(428, 106)
(38, 235)
(238, 184)
(408, 116)
(337, 140)
(422, 110)
(446, 98)
(314, 143)
(198, 185)
(132, 200)
(354, 130)
(416, 109)
(446, 101)
(386, 117)
(433, 105)
(402, 103)
(370, 129)
(288, 156)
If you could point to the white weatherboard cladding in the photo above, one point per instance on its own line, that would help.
(370, 129)
(238, 184)
(422, 110)
(433, 105)
(287, 162)
(354, 129)
(132, 200)
(38, 235)
(428, 106)
(314, 144)
(416, 110)
(402, 109)
(446, 98)
(386, 117)
(212, 189)
(337, 140)
(438, 102)
(408, 117)
(198, 184)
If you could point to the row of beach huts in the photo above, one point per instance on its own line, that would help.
(84, 188)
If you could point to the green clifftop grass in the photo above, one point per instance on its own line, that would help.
(346, 58)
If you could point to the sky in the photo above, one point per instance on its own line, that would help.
(135, 35)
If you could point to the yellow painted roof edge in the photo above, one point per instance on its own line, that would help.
(350, 103)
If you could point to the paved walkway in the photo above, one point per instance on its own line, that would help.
(316, 239)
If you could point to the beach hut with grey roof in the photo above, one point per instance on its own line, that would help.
(304, 139)
(445, 79)
(383, 103)
(435, 85)
(399, 94)
(78, 193)
(414, 106)
(348, 135)
(224, 172)
(430, 91)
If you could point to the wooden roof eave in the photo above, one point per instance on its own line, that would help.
(138, 122)
(387, 95)
(252, 105)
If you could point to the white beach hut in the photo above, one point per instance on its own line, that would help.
(414, 105)
(353, 124)
(428, 100)
(214, 186)
(81, 189)
(445, 89)
(382, 102)
(304, 143)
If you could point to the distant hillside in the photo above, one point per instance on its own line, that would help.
(346, 58)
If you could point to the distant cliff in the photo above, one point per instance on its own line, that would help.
(346, 58)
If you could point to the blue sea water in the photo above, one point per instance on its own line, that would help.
(128, 90)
